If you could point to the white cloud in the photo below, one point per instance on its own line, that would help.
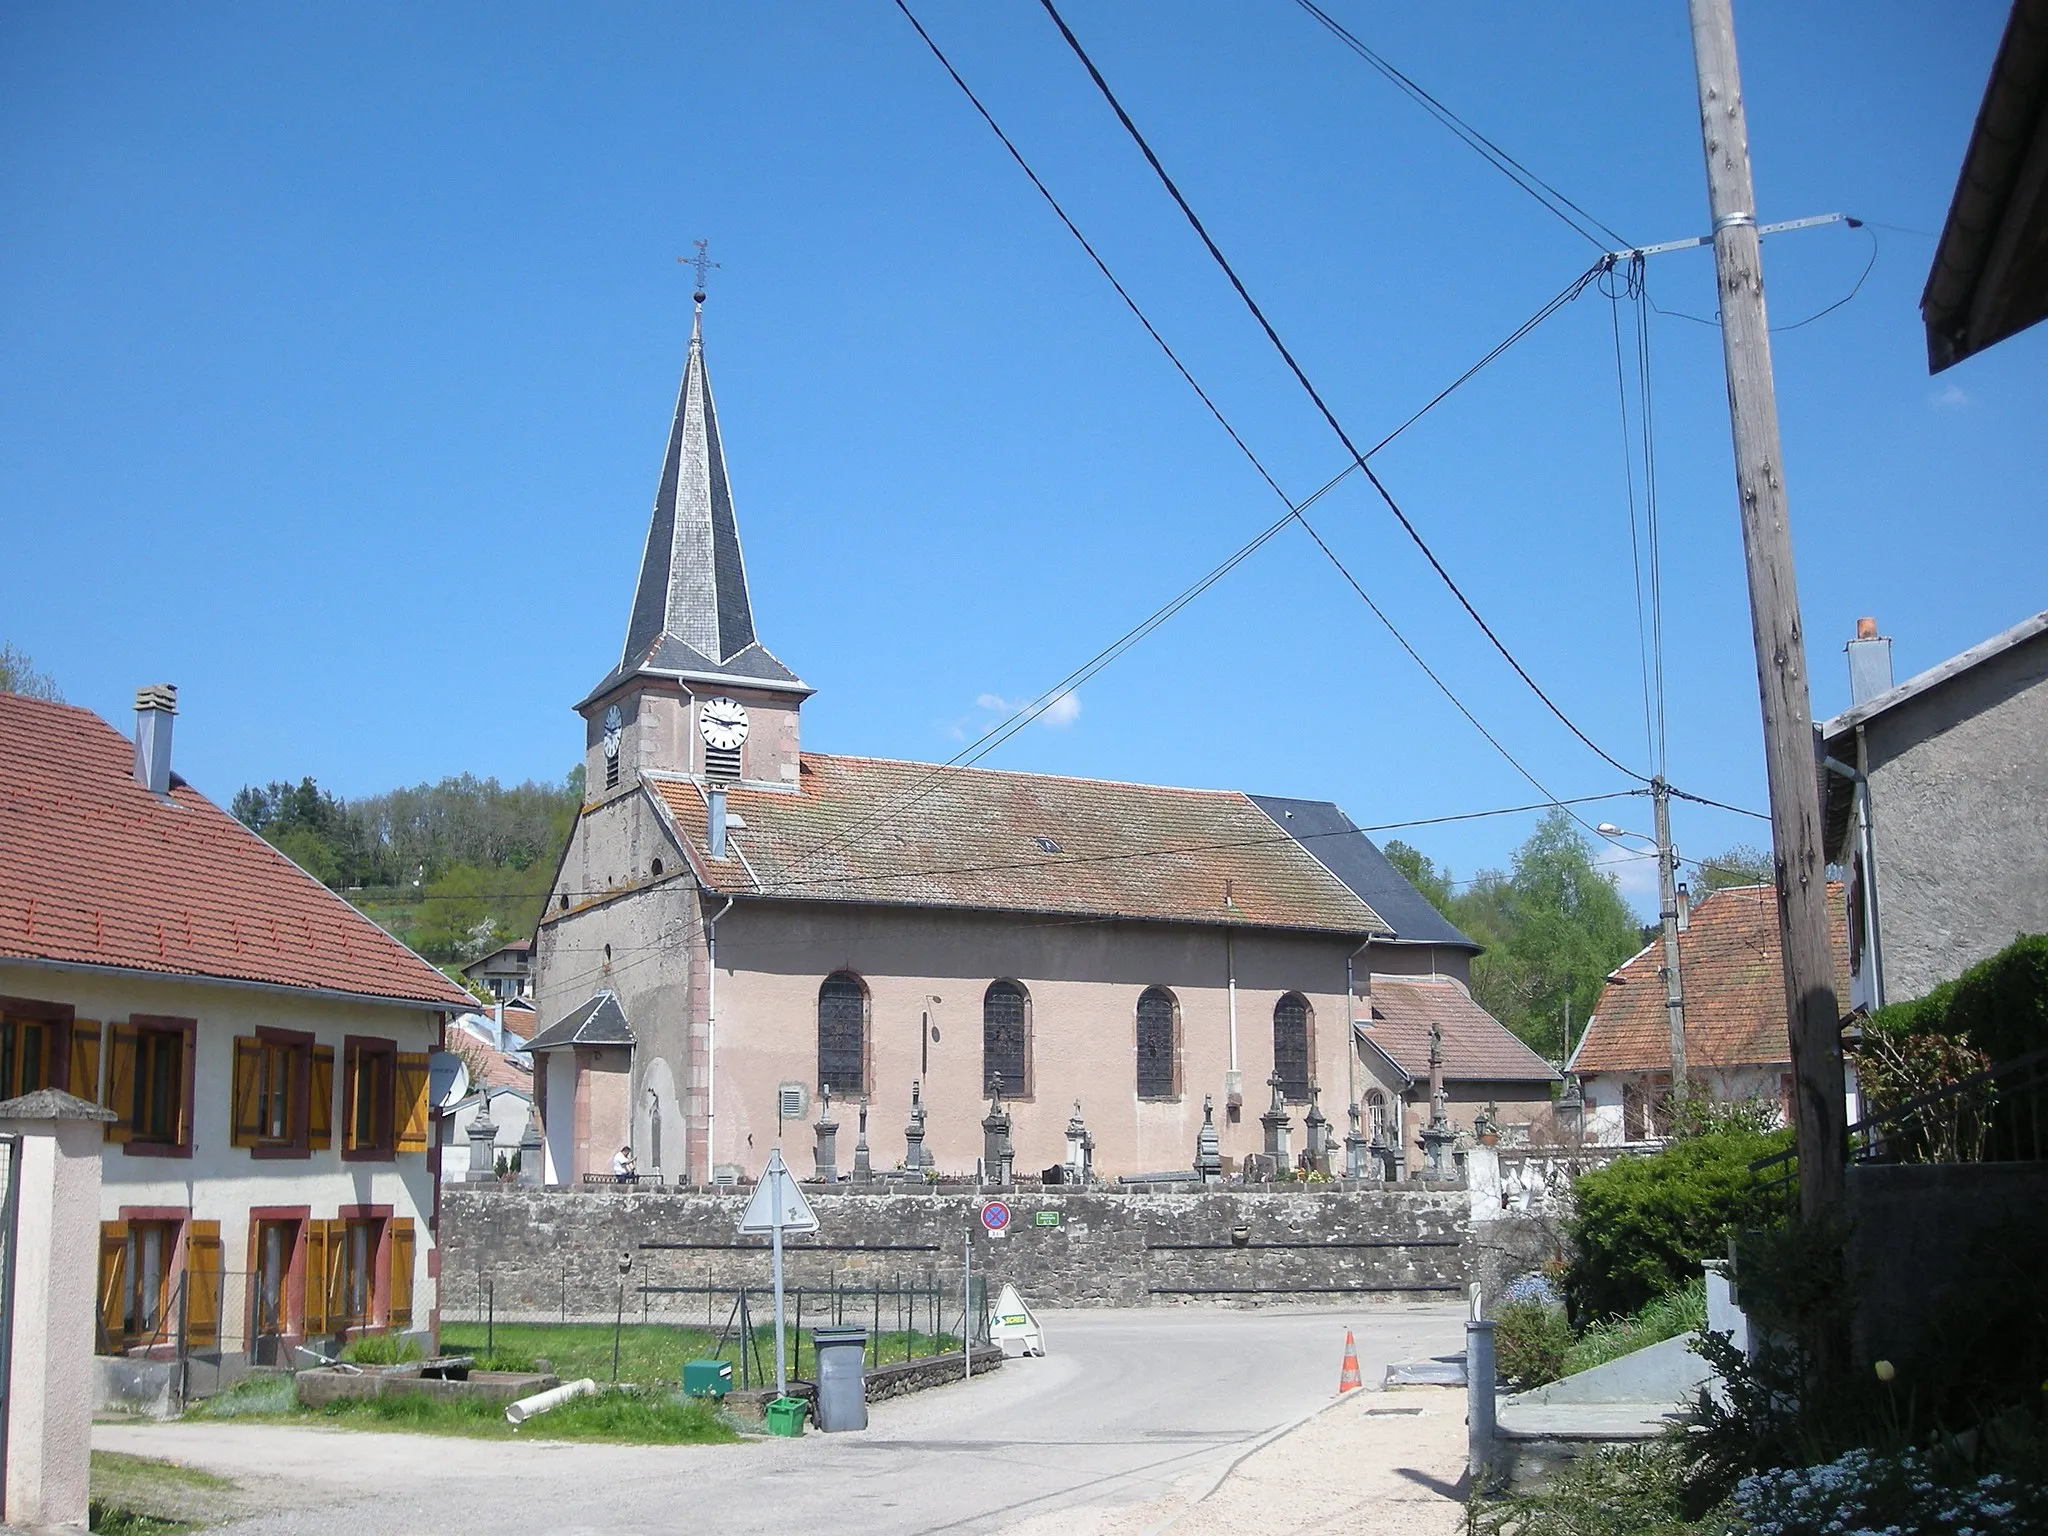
(1950, 397)
(1059, 714)
(1634, 872)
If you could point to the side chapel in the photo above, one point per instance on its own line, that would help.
(739, 926)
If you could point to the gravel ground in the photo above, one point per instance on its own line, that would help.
(1136, 1408)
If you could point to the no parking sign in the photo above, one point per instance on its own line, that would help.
(995, 1218)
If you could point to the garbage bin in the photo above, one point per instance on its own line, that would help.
(842, 1377)
(785, 1416)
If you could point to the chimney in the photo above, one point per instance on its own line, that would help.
(717, 823)
(1870, 663)
(1684, 907)
(154, 709)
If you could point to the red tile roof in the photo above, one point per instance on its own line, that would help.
(968, 837)
(1729, 961)
(1477, 1047)
(95, 870)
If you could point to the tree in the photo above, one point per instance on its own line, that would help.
(1421, 872)
(19, 675)
(1740, 865)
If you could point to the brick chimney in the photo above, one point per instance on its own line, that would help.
(1870, 663)
(155, 708)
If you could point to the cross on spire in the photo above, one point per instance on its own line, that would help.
(702, 262)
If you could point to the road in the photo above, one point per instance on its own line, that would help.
(1126, 1407)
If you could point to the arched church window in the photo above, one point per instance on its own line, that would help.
(843, 1035)
(1158, 1045)
(1290, 1046)
(1006, 1039)
(1375, 1114)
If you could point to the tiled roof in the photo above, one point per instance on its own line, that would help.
(869, 830)
(1477, 1046)
(95, 870)
(1729, 961)
(493, 1068)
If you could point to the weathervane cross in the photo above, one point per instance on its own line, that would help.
(702, 262)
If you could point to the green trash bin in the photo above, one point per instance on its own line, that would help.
(785, 1416)
(707, 1378)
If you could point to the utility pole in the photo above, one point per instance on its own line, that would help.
(1811, 1012)
(1667, 903)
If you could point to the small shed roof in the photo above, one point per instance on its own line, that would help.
(601, 1021)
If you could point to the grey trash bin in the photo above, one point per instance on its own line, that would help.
(842, 1377)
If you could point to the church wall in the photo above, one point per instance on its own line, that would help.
(1083, 979)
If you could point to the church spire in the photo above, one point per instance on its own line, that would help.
(693, 583)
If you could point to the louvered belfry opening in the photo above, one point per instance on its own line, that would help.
(842, 1036)
(1005, 1039)
(1290, 1046)
(722, 764)
(1157, 1077)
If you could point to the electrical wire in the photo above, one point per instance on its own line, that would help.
(1315, 396)
(1779, 330)
(1554, 201)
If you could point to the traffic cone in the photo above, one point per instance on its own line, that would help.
(1348, 1381)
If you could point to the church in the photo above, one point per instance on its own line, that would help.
(745, 937)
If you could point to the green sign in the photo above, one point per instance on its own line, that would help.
(1045, 1218)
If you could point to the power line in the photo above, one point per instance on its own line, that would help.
(1552, 200)
(1308, 386)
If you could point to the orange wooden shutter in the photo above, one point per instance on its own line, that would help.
(85, 1059)
(113, 1272)
(245, 1117)
(412, 1101)
(399, 1286)
(351, 1085)
(121, 1081)
(320, 1125)
(337, 1274)
(202, 1284)
(313, 1304)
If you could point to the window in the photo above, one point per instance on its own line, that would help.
(1158, 1045)
(369, 1077)
(273, 1243)
(24, 1056)
(149, 1085)
(1290, 1046)
(360, 1241)
(41, 1046)
(273, 1090)
(843, 1036)
(1376, 1115)
(143, 1299)
(611, 772)
(1006, 1039)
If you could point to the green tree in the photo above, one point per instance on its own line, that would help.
(1421, 872)
(19, 675)
(1739, 865)
(1554, 927)
(471, 909)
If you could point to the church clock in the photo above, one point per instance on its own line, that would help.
(613, 721)
(723, 723)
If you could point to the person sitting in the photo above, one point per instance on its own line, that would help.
(624, 1169)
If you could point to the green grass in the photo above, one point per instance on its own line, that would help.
(650, 1354)
(1676, 1312)
(141, 1496)
(264, 1396)
(381, 1349)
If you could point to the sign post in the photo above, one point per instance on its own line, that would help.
(778, 1206)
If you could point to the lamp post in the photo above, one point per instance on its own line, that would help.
(1667, 913)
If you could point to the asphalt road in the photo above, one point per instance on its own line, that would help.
(1126, 1405)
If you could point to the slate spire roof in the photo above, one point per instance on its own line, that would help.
(691, 614)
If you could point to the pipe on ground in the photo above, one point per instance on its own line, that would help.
(518, 1413)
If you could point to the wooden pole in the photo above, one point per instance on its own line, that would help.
(1667, 902)
(1811, 1010)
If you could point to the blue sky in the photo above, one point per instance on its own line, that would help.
(337, 345)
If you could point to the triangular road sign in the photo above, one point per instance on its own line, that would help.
(760, 1217)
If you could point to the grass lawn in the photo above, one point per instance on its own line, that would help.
(626, 1416)
(139, 1496)
(1676, 1312)
(652, 1354)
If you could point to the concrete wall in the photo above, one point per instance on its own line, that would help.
(545, 1252)
(219, 1182)
(1959, 811)
(1926, 1239)
(659, 733)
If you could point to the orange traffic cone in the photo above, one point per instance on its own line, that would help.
(1348, 1381)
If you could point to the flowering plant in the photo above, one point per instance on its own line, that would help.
(1864, 1493)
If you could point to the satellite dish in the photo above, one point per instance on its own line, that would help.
(447, 1079)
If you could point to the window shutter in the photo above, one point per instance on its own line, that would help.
(320, 1127)
(245, 1123)
(202, 1284)
(85, 1059)
(121, 1081)
(398, 1285)
(411, 1115)
(351, 1085)
(313, 1304)
(113, 1271)
(337, 1275)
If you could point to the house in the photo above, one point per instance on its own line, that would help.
(739, 925)
(1486, 1071)
(1935, 797)
(493, 1049)
(506, 972)
(1736, 1044)
(268, 1177)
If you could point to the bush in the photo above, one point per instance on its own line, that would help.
(1641, 1225)
(381, 1349)
(1998, 1006)
(1627, 1490)
(1863, 1491)
(1529, 1344)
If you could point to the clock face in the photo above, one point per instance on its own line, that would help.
(612, 722)
(723, 723)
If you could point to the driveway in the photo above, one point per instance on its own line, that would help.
(1129, 1407)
